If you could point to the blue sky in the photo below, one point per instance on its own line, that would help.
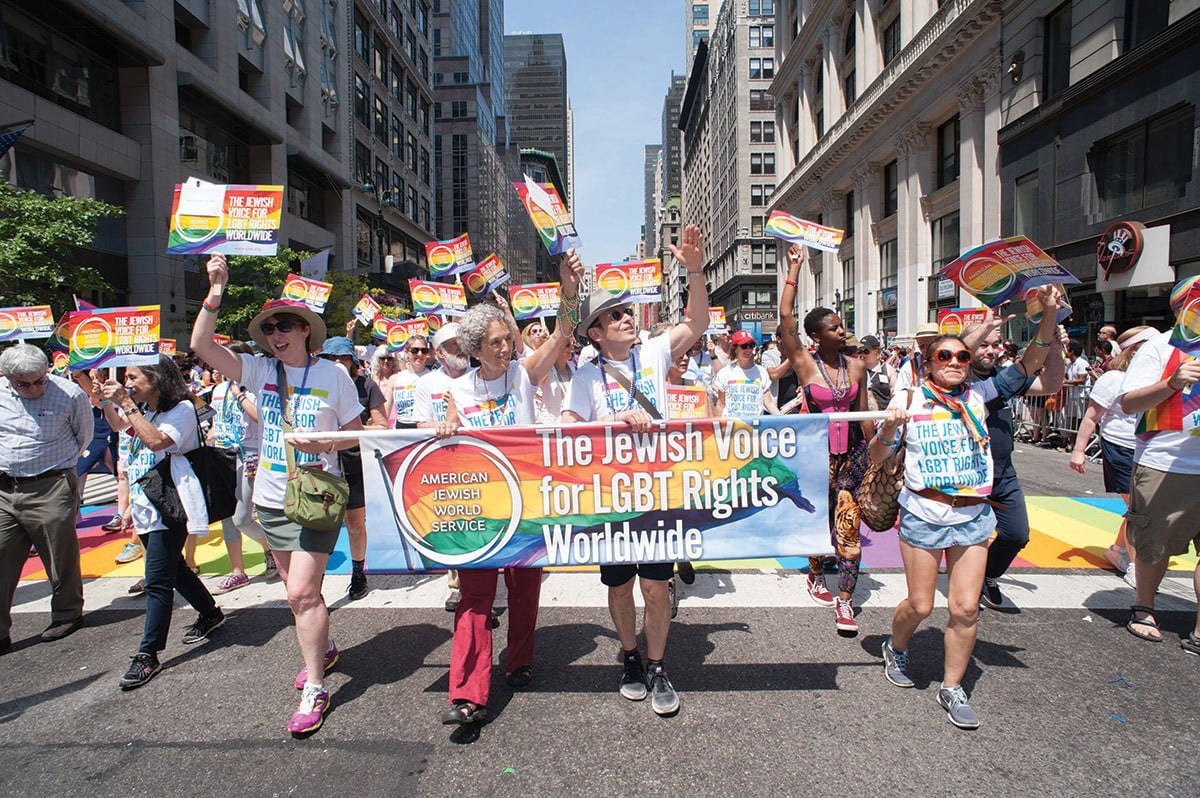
(620, 54)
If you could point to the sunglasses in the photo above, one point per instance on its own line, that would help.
(283, 326)
(946, 355)
(416, 350)
(25, 386)
(743, 346)
(619, 313)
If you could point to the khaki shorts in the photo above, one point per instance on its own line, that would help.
(1164, 514)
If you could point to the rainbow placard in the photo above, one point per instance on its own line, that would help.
(1033, 306)
(450, 257)
(1001, 270)
(380, 327)
(716, 321)
(1185, 335)
(438, 298)
(400, 331)
(60, 339)
(594, 493)
(313, 293)
(366, 310)
(953, 321)
(167, 346)
(61, 364)
(106, 337)
(798, 231)
(638, 282)
(35, 321)
(687, 401)
(223, 340)
(549, 214)
(233, 220)
(534, 300)
(489, 275)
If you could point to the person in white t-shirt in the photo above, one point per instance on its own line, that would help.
(400, 392)
(1164, 505)
(1117, 440)
(597, 394)
(743, 388)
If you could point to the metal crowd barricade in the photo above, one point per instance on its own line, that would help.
(1053, 421)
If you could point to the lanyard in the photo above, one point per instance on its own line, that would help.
(608, 401)
(295, 393)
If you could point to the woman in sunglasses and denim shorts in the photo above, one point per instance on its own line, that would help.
(944, 510)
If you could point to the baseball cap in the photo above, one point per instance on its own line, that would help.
(741, 337)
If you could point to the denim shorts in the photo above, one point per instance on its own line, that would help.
(917, 532)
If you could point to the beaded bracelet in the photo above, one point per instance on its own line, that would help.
(792, 283)
(1039, 342)
(210, 308)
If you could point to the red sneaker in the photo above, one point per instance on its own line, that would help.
(818, 591)
(843, 613)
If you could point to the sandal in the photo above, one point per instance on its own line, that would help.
(1149, 622)
(1191, 644)
(462, 714)
(138, 587)
(520, 678)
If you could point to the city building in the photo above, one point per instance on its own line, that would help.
(729, 162)
(668, 188)
(652, 196)
(535, 85)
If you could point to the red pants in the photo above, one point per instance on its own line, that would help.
(471, 649)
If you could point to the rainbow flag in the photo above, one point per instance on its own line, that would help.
(1169, 415)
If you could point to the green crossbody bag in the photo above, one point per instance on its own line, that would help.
(314, 498)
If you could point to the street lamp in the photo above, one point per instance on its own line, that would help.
(382, 199)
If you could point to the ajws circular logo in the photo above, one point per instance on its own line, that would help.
(614, 281)
(476, 282)
(524, 300)
(1189, 322)
(91, 338)
(426, 296)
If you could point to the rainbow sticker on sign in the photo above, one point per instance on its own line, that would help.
(440, 298)
(534, 300)
(36, 321)
(313, 293)
(106, 337)
(638, 282)
(798, 231)
(489, 275)
(1002, 270)
(450, 257)
(234, 219)
(549, 214)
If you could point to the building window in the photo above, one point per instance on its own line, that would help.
(890, 188)
(846, 311)
(397, 142)
(761, 100)
(848, 88)
(762, 132)
(412, 153)
(381, 175)
(410, 100)
(888, 299)
(890, 41)
(1145, 165)
(1144, 19)
(362, 101)
(697, 37)
(1025, 201)
(397, 84)
(362, 37)
(362, 163)
(762, 68)
(398, 191)
(942, 293)
(1056, 74)
(700, 13)
(762, 163)
(849, 209)
(381, 131)
(818, 102)
(425, 213)
(425, 166)
(424, 120)
(849, 40)
(762, 35)
(381, 59)
(413, 211)
(458, 109)
(756, 195)
(756, 226)
(762, 8)
(947, 152)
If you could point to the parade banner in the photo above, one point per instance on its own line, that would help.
(489, 275)
(598, 494)
(549, 215)
(313, 293)
(687, 401)
(953, 321)
(797, 231)
(366, 310)
(35, 321)
(637, 282)
(233, 220)
(167, 346)
(716, 321)
(440, 298)
(107, 337)
(1002, 270)
(450, 257)
(534, 300)
(400, 331)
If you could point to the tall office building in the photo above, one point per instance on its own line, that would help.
(670, 185)
(698, 21)
(535, 84)
(650, 200)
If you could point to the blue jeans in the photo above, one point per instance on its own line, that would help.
(167, 572)
(1012, 524)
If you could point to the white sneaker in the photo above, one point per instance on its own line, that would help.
(1118, 556)
(1130, 579)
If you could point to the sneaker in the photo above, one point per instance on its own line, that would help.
(687, 572)
(895, 665)
(633, 680)
(331, 658)
(991, 595)
(131, 553)
(452, 601)
(116, 524)
(843, 613)
(141, 670)
(272, 572)
(674, 598)
(309, 716)
(231, 582)
(1118, 556)
(202, 628)
(663, 698)
(958, 710)
(358, 586)
(1130, 577)
(818, 591)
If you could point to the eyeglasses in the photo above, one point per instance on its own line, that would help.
(283, 326)
(25, 386)
(416, 350)
(619, 313)
(748, 345)
(946, 355)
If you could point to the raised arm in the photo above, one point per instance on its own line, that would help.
(538, 365)
(691, 255)
(203, 345)
(794, 352)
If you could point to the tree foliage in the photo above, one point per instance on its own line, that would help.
(38, 236)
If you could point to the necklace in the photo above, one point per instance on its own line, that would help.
(498, 403)
(841, 387)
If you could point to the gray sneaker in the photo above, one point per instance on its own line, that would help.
(895, 665)
(663, 698)
(958, 711)
(633, 680)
